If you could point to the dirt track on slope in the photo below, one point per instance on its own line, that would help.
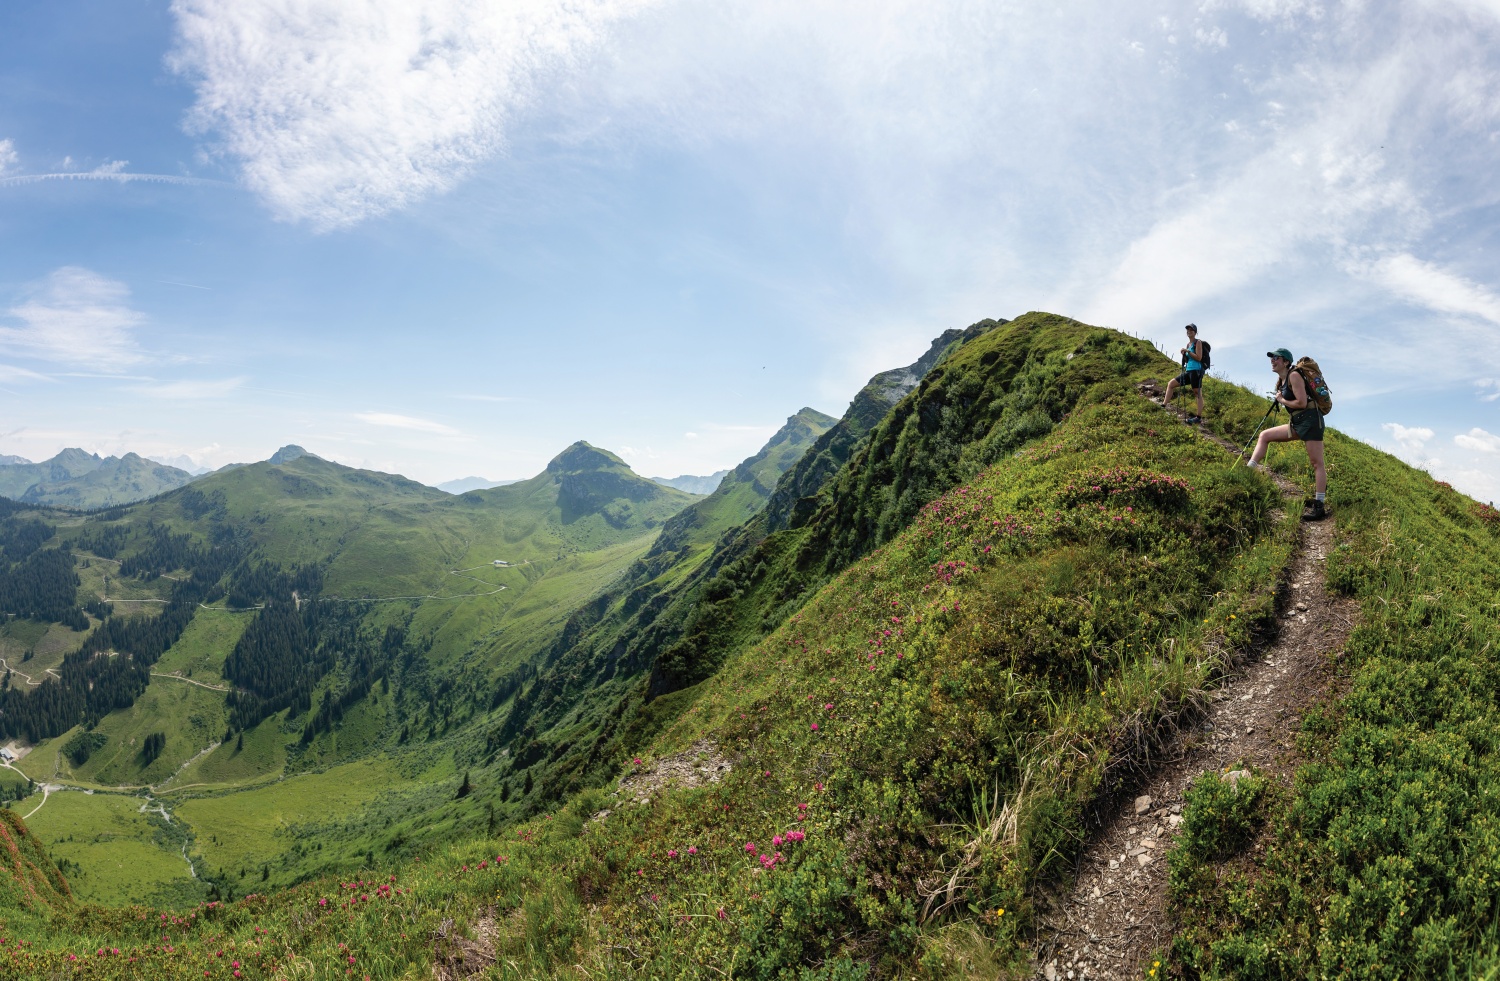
(1114, 915)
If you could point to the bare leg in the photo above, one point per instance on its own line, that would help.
(1171, 391)
(1320, 471)
(1277, 434)
(1199, 392)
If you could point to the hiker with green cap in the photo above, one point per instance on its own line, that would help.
(1194, 364)
(1306, 425)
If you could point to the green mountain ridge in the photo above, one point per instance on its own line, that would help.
(858, 734)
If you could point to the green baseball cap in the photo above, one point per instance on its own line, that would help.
(1281, 353)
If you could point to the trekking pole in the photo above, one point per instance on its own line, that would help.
(1269, 409)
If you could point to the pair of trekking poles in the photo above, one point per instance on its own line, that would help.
(1269, 409)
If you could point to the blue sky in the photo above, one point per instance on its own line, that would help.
(451, 238)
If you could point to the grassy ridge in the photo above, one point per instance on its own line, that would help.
(945, 709)
(1040, 576)
(1385, 860)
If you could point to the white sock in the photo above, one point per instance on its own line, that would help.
(1320, 495)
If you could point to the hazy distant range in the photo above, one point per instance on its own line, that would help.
(686, 482)
(78, 479)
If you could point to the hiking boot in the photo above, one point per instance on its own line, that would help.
(1315, 513)
(1194, 420)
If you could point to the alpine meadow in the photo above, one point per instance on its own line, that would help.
(873, 708)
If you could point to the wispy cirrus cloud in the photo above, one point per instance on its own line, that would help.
(77, 318)
(8, 157)
(392, 420)
(10, 372)
(190, 390)
(1313, 186)
(1438, 289)
(337, 110)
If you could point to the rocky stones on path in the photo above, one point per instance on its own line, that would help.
(1233, 778)
(1142, 804)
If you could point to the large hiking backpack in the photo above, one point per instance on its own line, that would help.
(1205, 347)
(1318, 392)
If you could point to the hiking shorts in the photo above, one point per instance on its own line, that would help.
(1307, 425)
(1191, 379)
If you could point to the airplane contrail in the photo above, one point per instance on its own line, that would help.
(120, 177)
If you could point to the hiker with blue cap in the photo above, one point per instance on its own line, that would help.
(1293, 393)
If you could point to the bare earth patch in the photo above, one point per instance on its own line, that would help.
(1107, 924)
(456, 957)
(702, 763)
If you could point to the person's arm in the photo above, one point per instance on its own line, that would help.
(1194, 352)
(1299, 390)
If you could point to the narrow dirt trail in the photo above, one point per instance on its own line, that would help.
(1114, 915)
(200, 684)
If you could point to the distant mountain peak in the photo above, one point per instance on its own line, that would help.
(693, 484)
(7, 460)
(181, 462)
(288, 453)
(583, 456)
(463, 485)
(75, 455)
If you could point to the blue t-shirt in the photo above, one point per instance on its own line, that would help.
(1193, 364)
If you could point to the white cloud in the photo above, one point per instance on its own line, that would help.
(1278, 10)
(1311, 189)
(10, 372)
(190, 390)
(1435, 288)
(77, 318)
(1214, 37)
(1478, 440)
(337, 110)
(392, 420)
(1490, 7)
(8, 157)
(1489, 389)
(1412, 439)
(1482, 485)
